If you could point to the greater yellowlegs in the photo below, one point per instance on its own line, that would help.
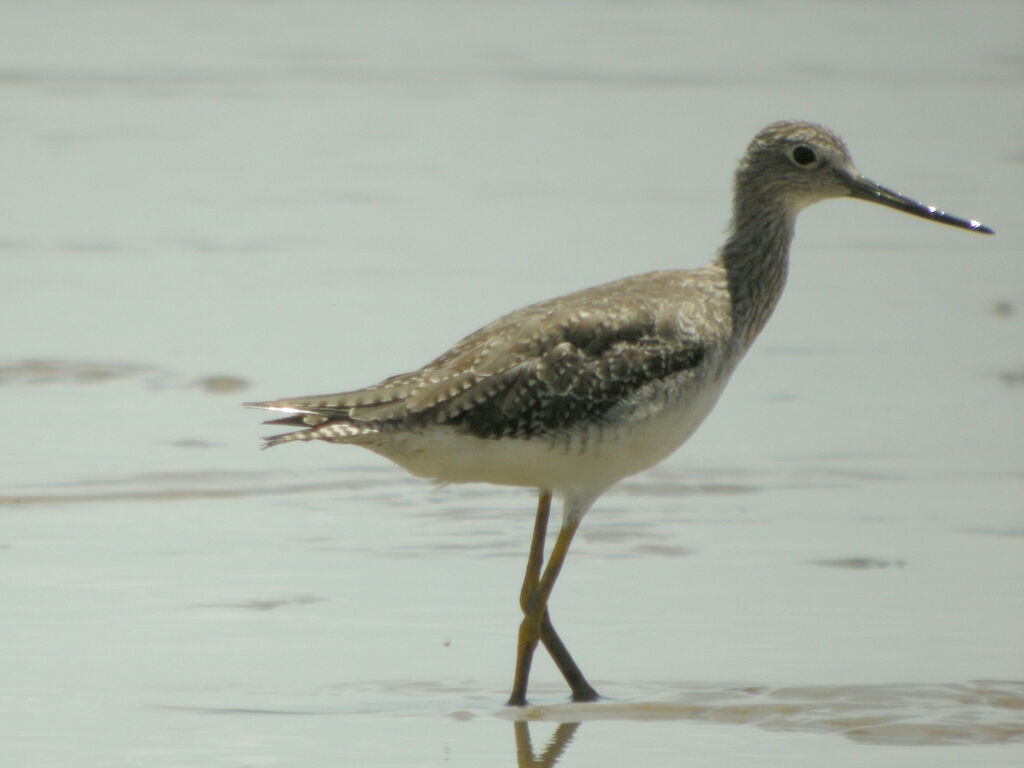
(573, 394)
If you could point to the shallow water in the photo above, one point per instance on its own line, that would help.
(220, 202)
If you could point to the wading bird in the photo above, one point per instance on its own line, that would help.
(573, 394)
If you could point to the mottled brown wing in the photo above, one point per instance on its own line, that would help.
(542, 368)
(565, 387)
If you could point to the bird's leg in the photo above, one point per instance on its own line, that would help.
(536, 556)
(581, 689)
(536, 624)
(524, 652)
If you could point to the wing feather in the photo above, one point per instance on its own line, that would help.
(547, 367)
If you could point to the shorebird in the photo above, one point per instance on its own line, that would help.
(571, 395)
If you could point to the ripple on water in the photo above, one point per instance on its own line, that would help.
(976, 712)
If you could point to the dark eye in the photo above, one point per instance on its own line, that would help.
(803, 155)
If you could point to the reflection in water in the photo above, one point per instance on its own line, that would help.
(525, 756)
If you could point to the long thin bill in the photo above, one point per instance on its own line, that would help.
(873, 192)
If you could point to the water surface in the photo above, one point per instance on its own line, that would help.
(217, 202)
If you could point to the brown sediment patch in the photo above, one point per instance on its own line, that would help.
(32, 372)
(859, 563)
(975, 712)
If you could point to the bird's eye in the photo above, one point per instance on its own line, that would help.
(803, 155)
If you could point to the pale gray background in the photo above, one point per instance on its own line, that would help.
(309, 196)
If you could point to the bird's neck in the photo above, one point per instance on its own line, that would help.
(755, 258)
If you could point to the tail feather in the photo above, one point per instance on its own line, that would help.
(329, 431)
(301, 420)
(286, 437)
(331, 424)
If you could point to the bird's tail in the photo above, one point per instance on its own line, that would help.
(333, 427)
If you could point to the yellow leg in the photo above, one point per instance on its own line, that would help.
(536, 624)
